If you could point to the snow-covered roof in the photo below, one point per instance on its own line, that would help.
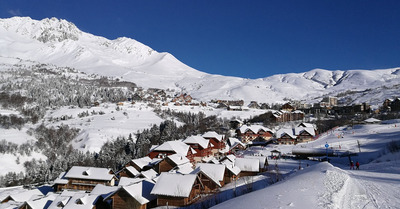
(103, 190)
(61, 179)
(126, 181)
(182, 169)
(41, 202)
(262, 159)
(248, 164)
(175, 185)
(174, 146)
(82, 200)
(284, 131)
(231, 167)
(309, 125)
(26, 195)
(178, 159)
(231, 158)
(213, 134)
(141, 162)
(80, 172)
(254, 128)
(149, 174)
(197, 140)
(299, 130)
(140, 190)
(372, 120)
(215, 172)
(132, 170)
(234, 142)
(62, 199)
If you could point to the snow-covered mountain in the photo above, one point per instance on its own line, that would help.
(61, 43)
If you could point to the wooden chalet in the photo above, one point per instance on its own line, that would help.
(287, 107)
(60, 182)
(232, 172)
(285, 116)
(296, 135)
(309, 125)
(235, 145)
(86, 178)
(140, 164)
(304, 134)
(170, 162)
(128, 171)
(285, 136)
(183, 98)
(174, 189)
(134, 196)
(202, 146)
(210, 175)
(248, 166)
(249, 133)
(170, 148)
(218, 141)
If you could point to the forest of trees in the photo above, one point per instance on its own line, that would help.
(55, 144)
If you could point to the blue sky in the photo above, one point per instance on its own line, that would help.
(250, 39)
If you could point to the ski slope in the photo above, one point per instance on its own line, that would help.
(333, 185)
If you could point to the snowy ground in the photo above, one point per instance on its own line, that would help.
(334, 185)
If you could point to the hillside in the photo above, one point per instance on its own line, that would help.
(334, 185)
(61, 43)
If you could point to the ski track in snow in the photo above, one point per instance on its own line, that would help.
(382, 189)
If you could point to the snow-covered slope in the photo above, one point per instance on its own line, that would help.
(61, 43)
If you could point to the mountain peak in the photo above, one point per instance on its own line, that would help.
(46, 30)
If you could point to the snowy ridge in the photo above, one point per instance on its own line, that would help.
(61, 43)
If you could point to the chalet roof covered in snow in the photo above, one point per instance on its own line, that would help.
(197, 140)
(61, 179)
(80, 172)
(248, 164)
(103, 190)
(254, 128)
(299, 130)
(132, 170)
(140, 190)
(214, 171)
(82, 201)
(25, 195)
(62, 199)
(233, 142)
(41, 202)
(175, 185)
(231, 167)
(142, 162)
(308, 125)
(173, 146)
(213, 134)
(182, 169)
(263, 161)
(178, 159)
(287, 131)
(124, 181)
(149, 174)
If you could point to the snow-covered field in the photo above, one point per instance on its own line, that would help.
(334, 185)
